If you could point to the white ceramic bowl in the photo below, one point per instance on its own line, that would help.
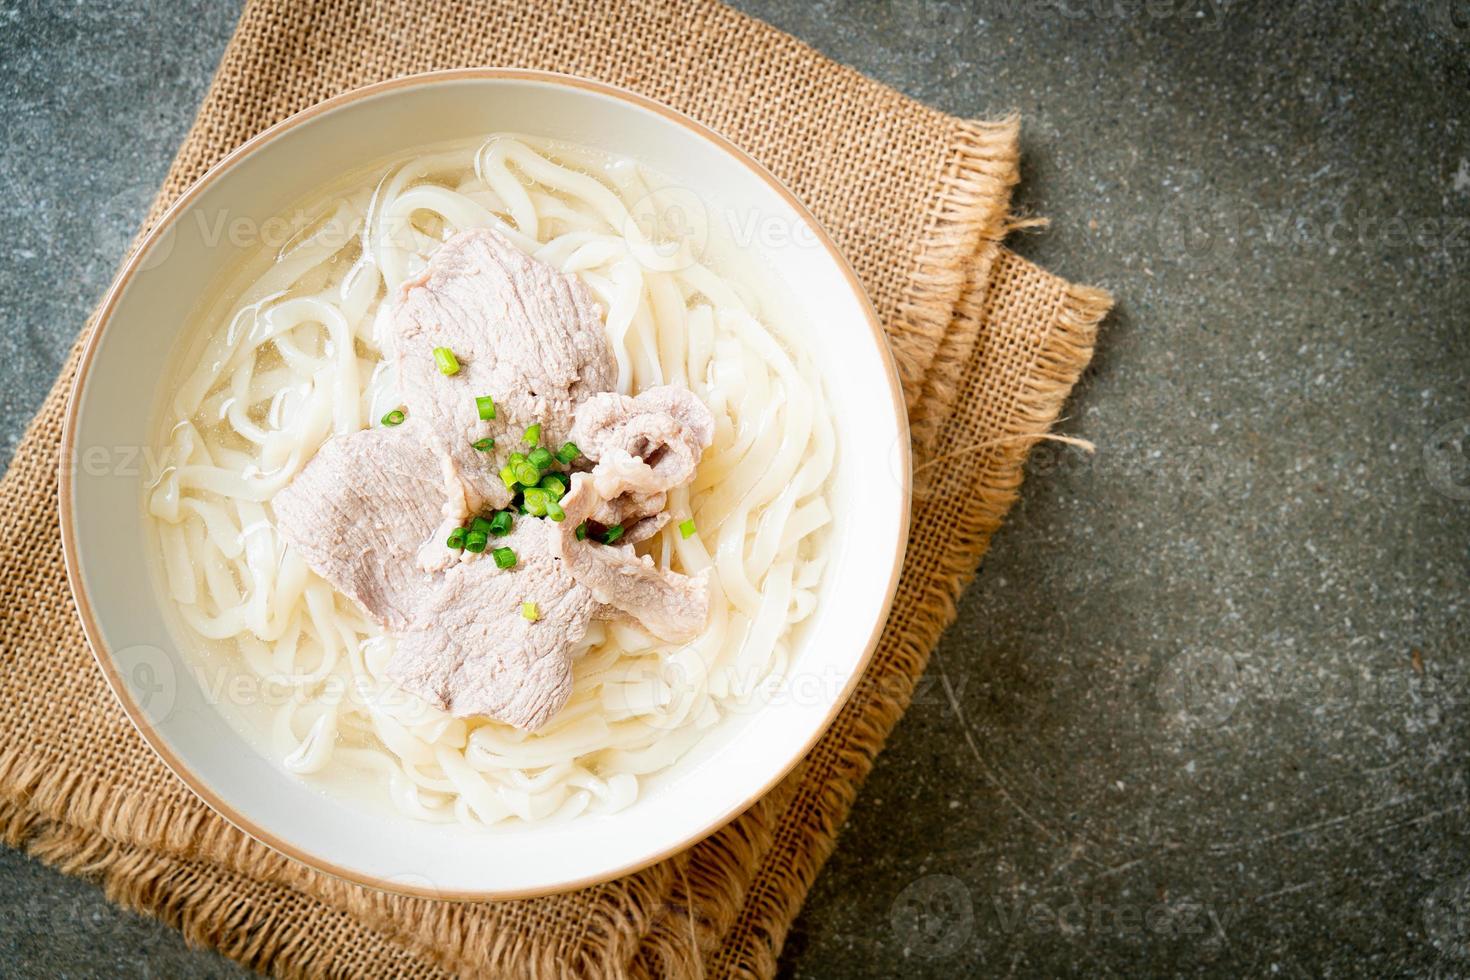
(110, 427)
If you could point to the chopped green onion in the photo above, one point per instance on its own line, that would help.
(500, 523)
(533, 434)
(486, 405)
(536, 499)
(686, 529)
(542, 458)
(612, 534)
(504, 558)
(476, 541)
(568, 453)
(553, 509)
(456, 538)
(484, 445)
(529, 610)
(582, 531)
(394, 417)
(480, 525)
(448, 363)
(508, 477)
(556, 484)
(523, 469)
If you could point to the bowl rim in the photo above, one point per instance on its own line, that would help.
(196, 783)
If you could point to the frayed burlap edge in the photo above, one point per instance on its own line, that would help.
(966, 224)
(120, 833)
(211, 907)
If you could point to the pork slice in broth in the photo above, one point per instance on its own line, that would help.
(360, 513)
(669, 605)
(523, 333)
(643, 446)
(368, 515)
(473, 651)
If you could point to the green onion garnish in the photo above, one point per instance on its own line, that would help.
(582, 531)
(500, 523)
(527, 473)
(612, 534)
(480, 525)
(484, 445)
(508, 477)
(536, 499)
(553, 509)
(486, 405)
(448, 363)
(541, 457)
(556, 484)
(504, 558)
(686, 529)
(456, 538)
(533, 434)
(394, 417)
(568, 453)
(476, 541)
(529, 610)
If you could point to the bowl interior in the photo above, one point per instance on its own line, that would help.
(111, 438)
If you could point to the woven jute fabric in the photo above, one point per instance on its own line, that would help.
(988, 347)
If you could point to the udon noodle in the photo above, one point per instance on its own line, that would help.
(301, 355)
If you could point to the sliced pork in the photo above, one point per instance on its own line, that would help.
(371, 512)
(671, 606)
(473, 651)
(522, 333)
(643, 446)
(360, 512)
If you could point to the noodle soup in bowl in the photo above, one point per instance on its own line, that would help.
(250, 445)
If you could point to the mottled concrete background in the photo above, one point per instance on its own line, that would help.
(1204, 710)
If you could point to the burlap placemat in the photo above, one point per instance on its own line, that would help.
(988, 345)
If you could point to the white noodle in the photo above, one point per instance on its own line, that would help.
(305, 353)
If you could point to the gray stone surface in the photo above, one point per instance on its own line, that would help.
(1204, 709)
